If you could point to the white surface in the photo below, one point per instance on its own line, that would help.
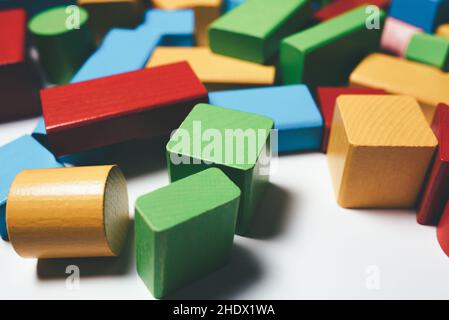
(308, 247)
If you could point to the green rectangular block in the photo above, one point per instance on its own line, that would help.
(185, 230)
(236, 142)
(254, 30)
(429, 49)
(326, 54)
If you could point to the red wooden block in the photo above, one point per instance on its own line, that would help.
(327, 97)
(100, 112)
(436, 190)
(19, 80)
(339, 7)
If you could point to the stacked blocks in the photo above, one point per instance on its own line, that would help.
(429, 49)
(379, 151)
(236, 142)
(185, 230)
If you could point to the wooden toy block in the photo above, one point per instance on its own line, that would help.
(443, 30)
(19, 80)
(397, 36)
(426, 14)
(107, 14)
(215, 71)
(95, 113)
(295, 114)
(68, 212)
(62, 47)
(20, 154)
(206, 11)
(326, 54)
(231, 4)
(254, 30)
(380, 148)
(185, 230)
(236, 142)
(429, 49)
(428, 85)
(128, 50)
(338, 7)
(327, 97)
(436, 190)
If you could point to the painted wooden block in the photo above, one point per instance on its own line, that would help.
(338, 7)
(143, 103)
(429, 49)
(436, 189)
(428, 85)
(107, 14)
(68, 212)
(19, 80)
(326, 54)
(426, 14)
(185, 230)
(254, 30)
(295, 114)
(380, 148)
(63, 45)
(206, 11)
(231, 4)
(215, 71)
(236, 142)
(397, 35)
(443, 30)
(20, 154)
(128, 50)
(327, 97)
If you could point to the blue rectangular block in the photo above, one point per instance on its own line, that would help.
(426, 14)
(21, 154)
(295, 113)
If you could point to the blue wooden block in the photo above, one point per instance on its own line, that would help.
(21, 154)
(295, 113)
(124, 50)
(426, 14)
(232, 4)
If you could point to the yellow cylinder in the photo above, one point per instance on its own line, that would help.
(68, 212)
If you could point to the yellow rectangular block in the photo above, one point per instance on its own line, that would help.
(443, 30)
(206, 11)
(380, 147)
(429, 85)
(217, 72)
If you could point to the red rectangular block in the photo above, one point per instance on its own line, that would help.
(339, 7)
(19, 80)
(104, 111)
(327, 97)
(436, 190)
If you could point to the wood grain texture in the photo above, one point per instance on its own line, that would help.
(436, 190)
(327, 97)
(19, 97)
(107, 14)
(443, 30)
(379, 151)
(338, 7)
(245, 160)
(429, 49)
(428, 85)
(397, 35)
(253, 30)
(185, 230)
(68, 212)
(216, 71)
(100, 112)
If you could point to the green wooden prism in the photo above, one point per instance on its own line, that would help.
(429, 49)
(236, 142)
(254, 30)
(327, 53)
(185, 230)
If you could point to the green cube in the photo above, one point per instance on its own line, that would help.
(254, 30)
(185, 230)
(326, 54)
(429, 49)
(236, 142)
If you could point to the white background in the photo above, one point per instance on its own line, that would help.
(306, 246)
